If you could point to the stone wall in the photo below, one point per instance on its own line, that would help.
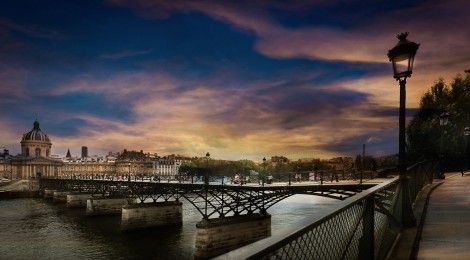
(218, 236)
(148, 215)
(77, 200)
(105, 206)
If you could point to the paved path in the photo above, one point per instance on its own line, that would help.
(446, 230)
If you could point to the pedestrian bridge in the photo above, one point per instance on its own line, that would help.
(235, 223)
(211, 201)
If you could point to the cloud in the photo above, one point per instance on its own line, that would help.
(314, 88)
(434, 23)
(31, 30)
(124, 54)
(169, 118)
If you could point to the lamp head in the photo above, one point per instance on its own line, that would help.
(402, 56)
(466, 131)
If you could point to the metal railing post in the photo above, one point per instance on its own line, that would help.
(366, 242)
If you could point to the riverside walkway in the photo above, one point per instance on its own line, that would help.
(443, 215)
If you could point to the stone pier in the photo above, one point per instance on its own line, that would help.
(77, 200)
(106, 206)
(60, 196)
(150, 215)
(218, 236)
(49, 194)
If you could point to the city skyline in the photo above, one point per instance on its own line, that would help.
(238, 79)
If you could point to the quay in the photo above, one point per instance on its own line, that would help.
(20, 189)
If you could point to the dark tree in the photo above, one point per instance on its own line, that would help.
(427, 139)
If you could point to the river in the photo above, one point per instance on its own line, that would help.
(40, 229)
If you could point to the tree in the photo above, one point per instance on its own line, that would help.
(424, 131)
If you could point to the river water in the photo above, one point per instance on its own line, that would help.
(40, 229)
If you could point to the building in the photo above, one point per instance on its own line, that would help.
(84, 151)
(36, 160)
(88, 166)
(5, 164)
(169, 165)
(134, 163)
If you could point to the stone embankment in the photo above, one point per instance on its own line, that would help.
(20, 189)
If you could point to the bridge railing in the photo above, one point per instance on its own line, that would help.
(364, 226)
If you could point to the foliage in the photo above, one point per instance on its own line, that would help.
(200, 166)
(426, 138)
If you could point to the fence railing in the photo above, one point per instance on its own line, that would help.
(364, 226)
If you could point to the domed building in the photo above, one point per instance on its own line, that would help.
(36, 143)
(35, 159)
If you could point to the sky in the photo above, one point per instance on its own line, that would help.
(239, 79)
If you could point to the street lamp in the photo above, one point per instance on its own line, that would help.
(129, 176)
(206, 182)
(443, 121)
(207, 168)
(402, 58)
(264, 171)
(466, 133)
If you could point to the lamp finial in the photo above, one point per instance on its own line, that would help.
(402, 36)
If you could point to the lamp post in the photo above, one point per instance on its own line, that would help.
(402, 58)
(206, 182)
(264, 171)
(207, 168)
(129, 176)
(443, 121)
(466, 133)
(362, 161)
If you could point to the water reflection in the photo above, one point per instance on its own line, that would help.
(39, 229)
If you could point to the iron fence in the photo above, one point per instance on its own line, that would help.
(364, 226)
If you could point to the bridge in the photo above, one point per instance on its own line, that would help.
(235, 221)
(211, 201)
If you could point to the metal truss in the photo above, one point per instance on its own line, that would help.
(212, 201)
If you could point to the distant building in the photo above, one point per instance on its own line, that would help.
(84, 151)
(134, 163)
(279, 159)
(169, 165)
(35, 158)
(5, 163)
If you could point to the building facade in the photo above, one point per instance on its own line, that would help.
(36, 160)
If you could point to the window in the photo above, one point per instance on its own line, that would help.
(38, 151)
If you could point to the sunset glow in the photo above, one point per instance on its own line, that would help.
(240, 79)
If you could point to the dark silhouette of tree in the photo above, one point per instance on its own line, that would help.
(424, 131)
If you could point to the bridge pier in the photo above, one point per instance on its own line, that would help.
(77, 200)
(60, 196)
(149, 215)
(49, 194)
(221, 235)
(106, 206)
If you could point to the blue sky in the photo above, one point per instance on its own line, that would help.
(240, 79)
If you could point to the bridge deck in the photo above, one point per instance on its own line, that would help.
(213, 200)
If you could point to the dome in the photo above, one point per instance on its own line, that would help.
(36, 134)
